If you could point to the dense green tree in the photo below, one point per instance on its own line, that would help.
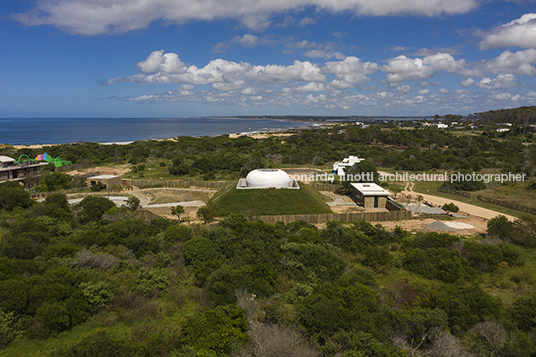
(55, 181)
(331, 308)
(523, 312)
(12, 195)
(93, 208)
(464, 305)
(177, 211)
(132, 203)
(57, 206)
(500, 227)
(217, 330)
(207, 213)
(450, 207)
(199, 250)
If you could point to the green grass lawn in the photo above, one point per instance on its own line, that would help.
(271, 201)
(157, 172)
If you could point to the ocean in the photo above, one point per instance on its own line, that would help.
(28, 131)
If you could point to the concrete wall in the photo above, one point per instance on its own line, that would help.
(108, 182)
(368, 201)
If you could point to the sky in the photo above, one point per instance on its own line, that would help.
(187, 58)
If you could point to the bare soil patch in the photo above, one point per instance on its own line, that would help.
(420, 225)
(189, 215)
(171, 195)
(346, 209)
(102, 170)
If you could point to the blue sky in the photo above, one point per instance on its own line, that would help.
(182, 58)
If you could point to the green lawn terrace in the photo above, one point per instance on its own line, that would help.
(269, 201)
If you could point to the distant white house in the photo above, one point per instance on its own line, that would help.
(441, 126)
(502, 130)
(350, 161)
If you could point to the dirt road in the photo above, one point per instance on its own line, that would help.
(467, 208)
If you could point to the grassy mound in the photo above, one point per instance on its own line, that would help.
(270, 201)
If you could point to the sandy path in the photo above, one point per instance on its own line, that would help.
(466, 208)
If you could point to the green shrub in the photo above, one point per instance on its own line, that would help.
(93, 208)
(9, 328)
(99, 342)
(55, 181)
(12, 195)
(97, 294)
(216, 330)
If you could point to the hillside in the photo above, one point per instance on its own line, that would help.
(119, 286)
(270, 201)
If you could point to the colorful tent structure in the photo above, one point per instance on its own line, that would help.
(58, 161)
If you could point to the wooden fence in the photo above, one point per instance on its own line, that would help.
(507, 204)
(455, 192)
(174, 183)
(494, 201)
(338, 217)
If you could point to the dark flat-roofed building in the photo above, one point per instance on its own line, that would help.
(10, 170)
(370, 195)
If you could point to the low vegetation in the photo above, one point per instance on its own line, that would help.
(95, 280)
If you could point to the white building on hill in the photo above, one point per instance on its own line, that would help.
(267, 178)
(350, 161)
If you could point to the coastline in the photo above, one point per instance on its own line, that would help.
(258, 134)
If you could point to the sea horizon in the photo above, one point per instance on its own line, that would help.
(49, 131)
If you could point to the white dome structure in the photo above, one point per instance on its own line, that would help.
(265, 178)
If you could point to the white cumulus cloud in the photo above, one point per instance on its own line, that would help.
(518, 33)
(310, 87)
(499, 82)
(160, 67)
(519, 63)
(467, 82)
(332, 84)
(121, 16)
(158, 61)
(402, 68)
(349, 72)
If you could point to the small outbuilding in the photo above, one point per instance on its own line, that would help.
(108, 181)
(267, 178)
(370, 195)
